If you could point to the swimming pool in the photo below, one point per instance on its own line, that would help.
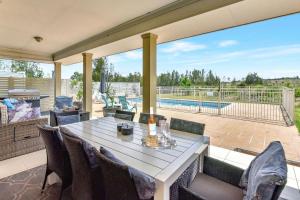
(177, 102)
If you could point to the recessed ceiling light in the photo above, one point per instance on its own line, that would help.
(37, 38)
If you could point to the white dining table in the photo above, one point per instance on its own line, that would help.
(165, 165)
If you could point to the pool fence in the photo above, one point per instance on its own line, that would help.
(274, 105)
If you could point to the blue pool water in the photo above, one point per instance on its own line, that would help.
(175, 102)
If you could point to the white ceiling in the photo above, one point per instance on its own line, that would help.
(65, 22)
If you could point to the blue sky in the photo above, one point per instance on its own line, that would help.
(270, 48)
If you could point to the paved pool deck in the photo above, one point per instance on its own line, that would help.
(231, 133)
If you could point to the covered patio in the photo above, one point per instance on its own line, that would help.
(72, 31)
(77, 32)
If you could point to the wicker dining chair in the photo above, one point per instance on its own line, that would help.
(123, 116)
(58, 160)
(62, 119)
(187, 126)
(145, 116)
(189, 174)
(221, 180)
(132, 114)
(117, 180)
(87, 181)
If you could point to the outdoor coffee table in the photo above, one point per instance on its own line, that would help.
(165, 165)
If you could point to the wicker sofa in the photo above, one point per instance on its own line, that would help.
(20, 138)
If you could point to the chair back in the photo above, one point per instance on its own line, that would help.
(61, 101)
(107, 101)
(117, 180)
(123, 116)
(57, 155)
(123, 101)
(87, 182)
(266, 168)
(69, 113)
(187, 126)
(131, 114)
(145, 116)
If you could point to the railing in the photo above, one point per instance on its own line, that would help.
(259, 104)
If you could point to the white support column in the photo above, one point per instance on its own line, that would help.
(87, 82)
(149, 72)
(57, 79)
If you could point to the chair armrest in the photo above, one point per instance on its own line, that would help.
(185, 193)
(222, 171)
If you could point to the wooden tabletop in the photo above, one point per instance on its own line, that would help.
(158, 163)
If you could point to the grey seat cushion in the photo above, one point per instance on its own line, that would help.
(210, 188)
(267, 171)
(68, 119)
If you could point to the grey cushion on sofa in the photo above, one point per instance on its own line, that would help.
(68, 119)
(265, 172)
(145, 185)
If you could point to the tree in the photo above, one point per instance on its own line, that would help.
(211, 79)
(253, 79)
(76, 83)
(185, 81)
(3, 65)
(100, 64)
(31, 69)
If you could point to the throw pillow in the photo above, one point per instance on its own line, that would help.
(266, 171)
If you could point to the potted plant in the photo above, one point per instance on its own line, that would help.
(110, 107)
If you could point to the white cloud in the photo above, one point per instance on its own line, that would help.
(134, 54)
(177, 47)
(267, 52)
(115, 58)
(227, 43)
(259, 53)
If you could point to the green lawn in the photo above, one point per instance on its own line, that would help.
(297, 116)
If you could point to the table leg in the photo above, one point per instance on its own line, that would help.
(201, 158)
(162, 191)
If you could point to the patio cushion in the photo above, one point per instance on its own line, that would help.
(23, 111)
(145, 185)
(68, 119)
(4, 114)
(87, 147)
(266, 171)
(9, 103)
(62, 101)
(210, 188)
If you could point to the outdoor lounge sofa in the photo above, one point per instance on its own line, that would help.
(20, 138)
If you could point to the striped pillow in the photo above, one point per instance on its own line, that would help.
(4, 115)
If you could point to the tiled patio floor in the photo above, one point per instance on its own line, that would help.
(233, 133)
(28, 161)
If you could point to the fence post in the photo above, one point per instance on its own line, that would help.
(219, 101)
(194, 92)
(10, 82)
(159, 96)
(249, 96)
